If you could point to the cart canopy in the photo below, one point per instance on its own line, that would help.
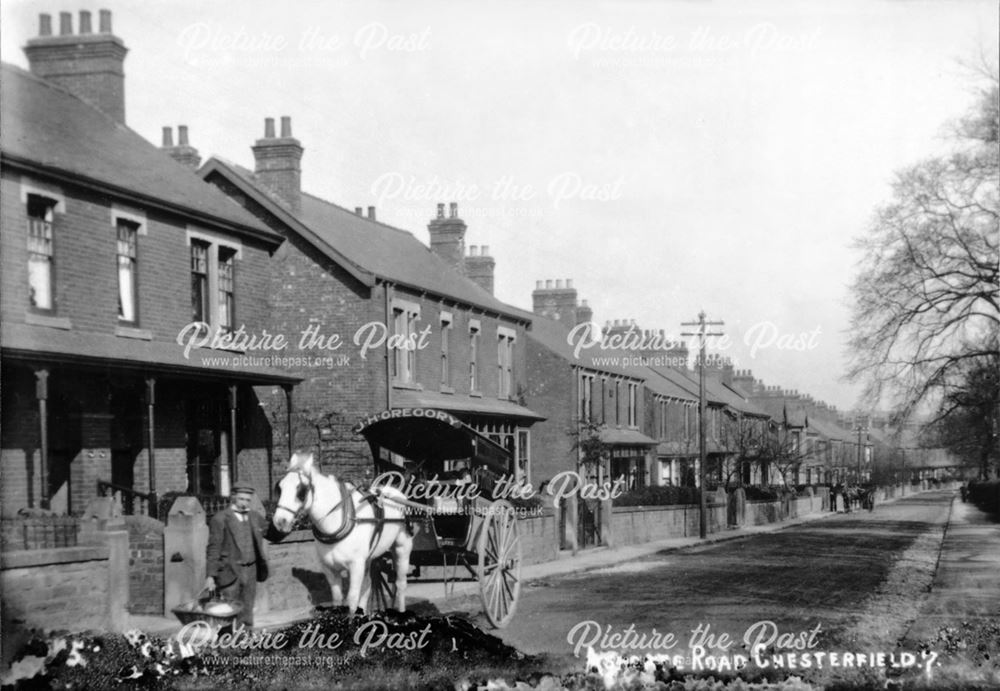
(426, 435)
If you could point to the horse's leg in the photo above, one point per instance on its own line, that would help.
(355, 574)
(366, 589)
(335, 580)
(402, 549)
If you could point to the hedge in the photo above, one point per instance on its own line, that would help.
(985, 494)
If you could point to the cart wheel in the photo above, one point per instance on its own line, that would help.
(383, 585)
(499, 563)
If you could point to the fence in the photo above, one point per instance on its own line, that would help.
(39, 532)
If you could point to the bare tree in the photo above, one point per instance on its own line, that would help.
(968, 421)
(926, 298)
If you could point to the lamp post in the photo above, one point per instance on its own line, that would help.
(701, 334)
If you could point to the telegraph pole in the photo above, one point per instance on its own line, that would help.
(701, 334)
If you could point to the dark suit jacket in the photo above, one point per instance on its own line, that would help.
(224, 555)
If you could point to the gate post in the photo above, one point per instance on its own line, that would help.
(570, 511)
(102, 524)
(185, 540)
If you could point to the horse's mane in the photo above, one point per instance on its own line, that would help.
(299, 459)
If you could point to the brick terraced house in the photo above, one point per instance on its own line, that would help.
(416, 326)
(109, 250)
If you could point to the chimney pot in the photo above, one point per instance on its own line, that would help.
(105, 19)
(485, 250)
(548, 284)
(538, 285)
(286, 126)
(583, 303)
(569, 282)
(559, 283)
(268, 128)
(440, 211)
(359, 210)
(45, 24)
(454, 209)
(473, 250)
(168, 136)
(182, 135)
(65, 24)
(371, 212)
(85, 22)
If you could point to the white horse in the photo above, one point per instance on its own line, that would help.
(351, 528)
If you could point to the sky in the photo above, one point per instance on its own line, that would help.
(668, 157)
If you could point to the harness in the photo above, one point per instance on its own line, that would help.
(350, 514)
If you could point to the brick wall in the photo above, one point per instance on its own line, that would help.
(84, 250)
(145, 565)
(551, 392)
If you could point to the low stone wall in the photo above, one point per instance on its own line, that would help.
(59, 588)
(539, 537)
(631, 525)
(296, 580)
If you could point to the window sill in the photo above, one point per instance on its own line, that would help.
(132, 332)
(447, 389)
(476, 394)
(36, 319)
(407, 385)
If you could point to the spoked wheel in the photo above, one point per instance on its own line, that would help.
(383, 585)
(499, 563)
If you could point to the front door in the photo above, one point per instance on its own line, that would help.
(204, 446)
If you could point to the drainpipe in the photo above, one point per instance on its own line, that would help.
(388, 361)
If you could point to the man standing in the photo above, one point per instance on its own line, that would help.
(236, 558)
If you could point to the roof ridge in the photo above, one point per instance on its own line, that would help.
(366, 218)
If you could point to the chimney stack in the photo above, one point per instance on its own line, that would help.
(371, 213)
(448, 237)
(278, 164)
(480, 266)
(359, 210)
(183, 153)
(584, 313)
(90, 66)
(555, 302)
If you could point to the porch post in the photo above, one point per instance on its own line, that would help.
(151, 442)
(289, 412)
(42, 394)
(234, 464)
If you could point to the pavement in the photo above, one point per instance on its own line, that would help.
(969, 558)
(966, 587)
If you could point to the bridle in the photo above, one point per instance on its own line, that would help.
(305, 491)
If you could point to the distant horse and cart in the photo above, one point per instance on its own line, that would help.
(861, 496)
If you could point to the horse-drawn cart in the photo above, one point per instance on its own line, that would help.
(449, 474)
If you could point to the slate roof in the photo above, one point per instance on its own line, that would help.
(47, 127)
(553, 334)
(478, 405)
(831, 430)
(372, 247)
(100, 350)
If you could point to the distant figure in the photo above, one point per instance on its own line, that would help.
(964, 489)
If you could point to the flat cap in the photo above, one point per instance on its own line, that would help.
(243, 487)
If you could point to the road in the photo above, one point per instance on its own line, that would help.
(848, 579)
